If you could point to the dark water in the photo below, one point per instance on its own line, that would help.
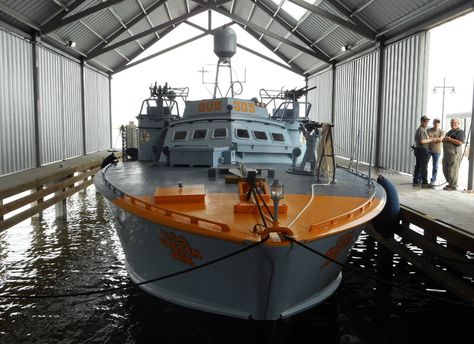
(84, 254)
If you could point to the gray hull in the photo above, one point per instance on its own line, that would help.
(266, 282)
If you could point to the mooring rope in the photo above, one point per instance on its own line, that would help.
(108, 290)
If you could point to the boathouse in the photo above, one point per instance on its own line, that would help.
(365, 62)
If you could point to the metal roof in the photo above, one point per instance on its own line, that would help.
(109, 34)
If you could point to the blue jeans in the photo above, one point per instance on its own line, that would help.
(435, 157)
(420, 175)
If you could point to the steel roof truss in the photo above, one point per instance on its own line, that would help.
(65, 12)
(192, 39)
(268, 59)
(294, 68)
(313, 53)
(288, 26)
(60, 22)
(161, 52)
(18, 16)
(145, 33)
(60, 4)
(129, 24)
(146, 46)
(359, 28)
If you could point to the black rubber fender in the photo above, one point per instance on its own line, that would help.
(388, 221)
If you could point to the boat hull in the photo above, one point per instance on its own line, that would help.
(266, 282)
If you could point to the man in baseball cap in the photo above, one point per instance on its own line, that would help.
(422, 157)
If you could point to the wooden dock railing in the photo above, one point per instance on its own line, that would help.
(47, 185)
(446, 250)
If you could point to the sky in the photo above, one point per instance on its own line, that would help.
(451, 56)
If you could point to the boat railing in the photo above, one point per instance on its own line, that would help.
(177, 216)
(358, 211)
(285, 102)
(362, 135)
(154, 209)
(109, 184)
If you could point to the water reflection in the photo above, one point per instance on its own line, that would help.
(84, 254)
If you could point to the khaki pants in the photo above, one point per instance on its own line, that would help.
(452, 156)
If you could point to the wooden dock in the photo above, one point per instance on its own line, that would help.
(25, 194)
(440, 223)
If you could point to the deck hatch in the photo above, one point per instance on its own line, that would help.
(184, 194)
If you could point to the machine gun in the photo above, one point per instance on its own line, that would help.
(297, 93)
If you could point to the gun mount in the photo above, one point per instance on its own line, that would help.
(286, 103)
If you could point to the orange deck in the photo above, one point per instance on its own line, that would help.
(324, 216)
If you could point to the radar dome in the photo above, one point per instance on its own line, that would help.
(225, 42)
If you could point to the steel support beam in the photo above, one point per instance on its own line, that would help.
(83, 106)
(333, 94)
(380, 86)
(470, 180)
(111, 143)
(59, 22)
(360, 28)
(36, 97)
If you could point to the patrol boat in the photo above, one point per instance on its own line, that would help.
(225, 210)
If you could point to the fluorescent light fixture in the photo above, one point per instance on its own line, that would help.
(71, 44)
(345, 48)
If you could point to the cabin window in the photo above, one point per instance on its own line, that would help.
(219, 133)
(180, 135)
(278, 137)
(260, 135)
(199, 134)
(243, 134)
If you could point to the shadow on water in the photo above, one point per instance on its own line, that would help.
(154, 320)
(84, 254)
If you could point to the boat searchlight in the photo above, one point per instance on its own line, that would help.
(277, 191)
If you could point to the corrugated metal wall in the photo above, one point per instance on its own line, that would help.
(97, 111)
(59, 111)
(402, 101)
(73, 131)
(321, 97)
(17, 132)
(355, 107)
(51, 121)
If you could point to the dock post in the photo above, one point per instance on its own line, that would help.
(60, 207)
(431, 238)
(1, 205)
(39, 215)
